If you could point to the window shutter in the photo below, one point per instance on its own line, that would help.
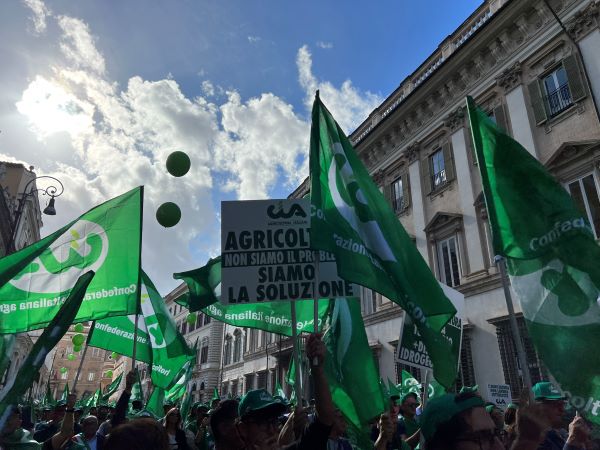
(448, 162)
(574, 78)
(500, 117)
(537, 102)
(388, 193)
(405, 191)
(426, 175)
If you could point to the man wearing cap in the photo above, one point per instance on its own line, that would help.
(552, 404)
(46, 430)
(408, 427)
(89, 437)
(258, 424)
(458, 421)
(223, 427)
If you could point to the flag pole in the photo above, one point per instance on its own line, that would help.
(317, 260)
(91, 330)
(516, 335)
(296, 350)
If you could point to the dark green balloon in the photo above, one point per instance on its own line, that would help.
(168, 214)
(178, 164)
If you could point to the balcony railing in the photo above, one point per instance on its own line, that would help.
(559, 100)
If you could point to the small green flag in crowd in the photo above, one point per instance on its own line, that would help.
(48, 398)
(65, 394)
(204, 285)
(552, 257)
(107, 240)
(159, 343)
(58, 326)
(155, 402)
(350, 369)
(112, 387)
(353, 220)
(136, 390)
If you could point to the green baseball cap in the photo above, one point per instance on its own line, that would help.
(441, 409)
(544, 390)
(259, 400)
(408, 394)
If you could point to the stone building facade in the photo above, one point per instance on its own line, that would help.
(534, 67)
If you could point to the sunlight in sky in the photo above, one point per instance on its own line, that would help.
(51, 109)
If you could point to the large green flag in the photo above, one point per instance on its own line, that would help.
(274, 317)
(107, 240)
(159, 343)
(204, 285)
(155, 402)
(352, 219)
(552, 257)
(350, 368)
(112, 387)
(56, 329)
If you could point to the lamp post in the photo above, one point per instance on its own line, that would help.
(53, 191)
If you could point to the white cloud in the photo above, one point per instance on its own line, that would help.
(78, 45)
(121, 135)
(348, 105)
(324, 45)
(40, 13)
(253, 39)
(262, 140)
(208, 88)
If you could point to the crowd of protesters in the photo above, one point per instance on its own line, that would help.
(260, 421)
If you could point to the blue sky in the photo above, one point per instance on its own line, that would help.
(98, 93)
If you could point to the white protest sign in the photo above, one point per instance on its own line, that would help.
(266, 254)
(499, 395)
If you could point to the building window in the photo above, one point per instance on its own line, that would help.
(584, 191)
(400, 194)
(513, 374)
(448, 261)
(183, 327)
(466, 372)
(557, 90)
(237, 345)
(438, 169)
(199, 320)
(204, 351)
(206, 319)
(65, 375)
(368, 301)
(227, 350)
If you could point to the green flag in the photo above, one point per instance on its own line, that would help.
(279, 391)
(136, 390)
(274, 317)
(155, 402)
(56, 329)
(216, 395)
(352, 219)
(204, 285)
(65, 394)
(48, 398)
(107, 240)
(350, 368)
(112, 387)
(435, 389)
(94, 400)
(7, 342)
(410, 383)
(158, 341)
(552, 257)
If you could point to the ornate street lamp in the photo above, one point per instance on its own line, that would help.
(53, 191)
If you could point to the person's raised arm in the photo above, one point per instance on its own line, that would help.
(315, 350)
(66, 428)
(123, 402)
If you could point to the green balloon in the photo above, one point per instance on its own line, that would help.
(78, 339)
(191, 318)
(168, 214)
(79, 328)
(114, 355)
(63, 370)
(71, 357)
(109, 374)
(178, 164)
(77, 348)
